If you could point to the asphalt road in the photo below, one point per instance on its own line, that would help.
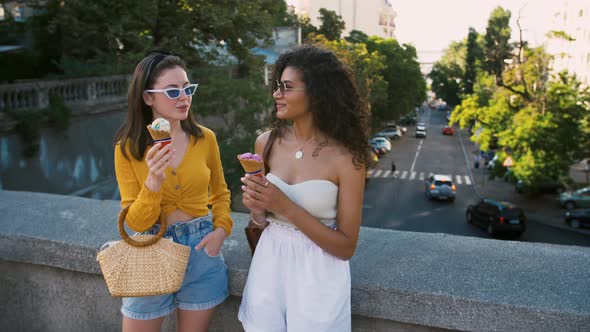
(397, 201)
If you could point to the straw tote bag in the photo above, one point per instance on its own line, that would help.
(143, 265)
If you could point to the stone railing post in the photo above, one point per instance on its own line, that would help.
(42, 94)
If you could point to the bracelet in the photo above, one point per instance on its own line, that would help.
(254, 220)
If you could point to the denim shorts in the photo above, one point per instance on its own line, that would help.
(205, 280)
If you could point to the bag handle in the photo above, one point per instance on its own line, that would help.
(266, 152)
(132, 242)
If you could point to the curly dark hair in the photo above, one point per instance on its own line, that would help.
(337, 108)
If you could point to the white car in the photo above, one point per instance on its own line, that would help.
(390, 133)
(381, 142)
(421, 130)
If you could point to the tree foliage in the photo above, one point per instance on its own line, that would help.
(366, 66)
(332, 24)
(518, 108)
(497, 42)
(406, 87)
(448, 73)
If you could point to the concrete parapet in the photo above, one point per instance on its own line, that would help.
(401, 281)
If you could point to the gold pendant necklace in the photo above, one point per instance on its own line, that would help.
(299, 152)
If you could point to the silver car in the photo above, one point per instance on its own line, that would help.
(440, 187)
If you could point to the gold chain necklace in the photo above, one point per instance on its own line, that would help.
(299, 152)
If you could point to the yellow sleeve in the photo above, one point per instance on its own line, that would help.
(219, 195)
(145, 204)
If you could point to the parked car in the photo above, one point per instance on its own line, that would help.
(497, 217)
(391, 133)
(440, 187)
(577, 218)
(547, 187)
(448, 130)
(408, 120)
(381, 142)
(577, 199)
(421, 130)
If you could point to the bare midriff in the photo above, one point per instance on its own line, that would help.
(178, 216)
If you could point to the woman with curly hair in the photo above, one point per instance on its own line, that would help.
(309, 203)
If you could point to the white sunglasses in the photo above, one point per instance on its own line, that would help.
(174, 93)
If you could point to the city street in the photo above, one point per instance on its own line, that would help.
(397, 200)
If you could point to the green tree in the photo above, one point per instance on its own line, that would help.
(497, 45)
(357, 36)
(406, 87)
(332, 24)
(367, 67)
(473, 53)
(308, 30)
(448, 73)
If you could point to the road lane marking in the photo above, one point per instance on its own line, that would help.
(467, 180)
(370, 173)
(413, 176)
(395, 174)
(378, 172)
(386, 174)
(421, 176)
(404, 174)
(416, 156)
(458, 179)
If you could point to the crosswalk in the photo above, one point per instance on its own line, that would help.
(413, 176)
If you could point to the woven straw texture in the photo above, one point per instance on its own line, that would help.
(131, 271)
(158, 134)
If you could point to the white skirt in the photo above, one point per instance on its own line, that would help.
(293, 285)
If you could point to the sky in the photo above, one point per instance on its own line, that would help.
(431, 25)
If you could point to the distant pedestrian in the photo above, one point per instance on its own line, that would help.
(477, 159)
(392, 166)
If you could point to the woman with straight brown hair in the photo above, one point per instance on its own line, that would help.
(174, 183)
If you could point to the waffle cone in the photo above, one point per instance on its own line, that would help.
(251, 166)
(158, 134)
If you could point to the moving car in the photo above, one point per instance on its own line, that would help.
(577, 218)
(448, 130)
(578, 199)
(421, 129)
(440, 187)
(497, 217)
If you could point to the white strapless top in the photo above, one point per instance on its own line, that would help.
(318, 197)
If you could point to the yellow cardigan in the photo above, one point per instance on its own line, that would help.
(196, 183)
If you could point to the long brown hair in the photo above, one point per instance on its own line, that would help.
(133, 132)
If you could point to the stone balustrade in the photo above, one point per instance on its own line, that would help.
(401, 281)
(77, 93)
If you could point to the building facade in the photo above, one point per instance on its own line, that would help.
(373, 17)
(571, 54)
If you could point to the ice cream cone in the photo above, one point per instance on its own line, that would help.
(251, 166)
(160, 131)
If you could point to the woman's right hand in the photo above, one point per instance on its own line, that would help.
(158, 159)
(256, 212)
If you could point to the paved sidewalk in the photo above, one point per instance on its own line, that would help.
(543, 209)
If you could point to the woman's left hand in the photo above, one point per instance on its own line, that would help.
(264, 195)
(212, 242)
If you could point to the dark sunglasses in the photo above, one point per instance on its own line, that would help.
(174, 93)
